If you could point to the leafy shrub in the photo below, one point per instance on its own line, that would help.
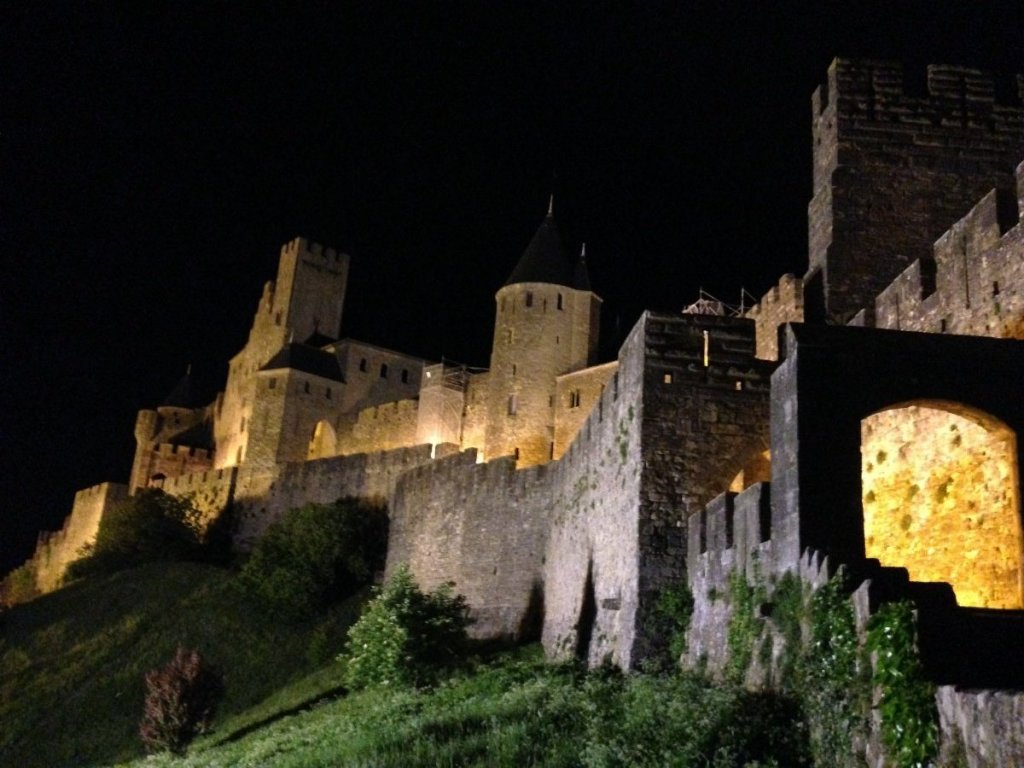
(910, 723)
(180, 701)
(674, 609)
(148, 527)
(406, 636)
(315, 555)
(19, 586)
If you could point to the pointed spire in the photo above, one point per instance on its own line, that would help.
(580, 275)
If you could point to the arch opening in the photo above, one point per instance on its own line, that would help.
(323, 442)
(940, 496)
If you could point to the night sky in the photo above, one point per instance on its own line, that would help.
(153, 162)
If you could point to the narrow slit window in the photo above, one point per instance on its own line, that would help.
(529, 298)
(513, 404)
(559, 302)
(383, 370)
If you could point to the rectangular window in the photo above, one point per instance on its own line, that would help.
(513, 404)
(574, 399)
(305, 387)
(667, 378)
(362, 365)
(513, 369)
(509, 337)
(559, 305)
(328, 393)
(272, 384)
(405, 376)
(529, 298)
(383, 370)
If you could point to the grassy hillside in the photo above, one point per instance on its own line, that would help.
(71, 690)
(518, 712)
(72, 662)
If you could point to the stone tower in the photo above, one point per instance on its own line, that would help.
(546, 324)
(304, 304)
(895, 162)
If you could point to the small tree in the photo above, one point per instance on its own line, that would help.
(148, 527)
(315, 555)
(180, 702)
(406, 636)
(19, 586)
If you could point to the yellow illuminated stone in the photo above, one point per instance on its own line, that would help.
(941, 499)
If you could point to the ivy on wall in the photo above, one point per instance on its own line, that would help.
(833, 672)
(910, 727)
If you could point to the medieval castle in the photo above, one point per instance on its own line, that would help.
(866, 414)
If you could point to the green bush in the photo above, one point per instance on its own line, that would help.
(406, 636)
(151, 526)
(19, 586)
(180, 702)
(910, 722)
(315, 555)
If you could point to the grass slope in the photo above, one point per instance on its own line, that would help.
(520, 712)
(72, 662)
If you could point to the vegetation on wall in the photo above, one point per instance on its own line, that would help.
(19, 586)
(832, 677)
(315, 555)
(673, 610)
(150, 526)
(910, 727)
(744, 627)
(826, 666)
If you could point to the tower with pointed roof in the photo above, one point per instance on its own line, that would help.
(546, 324)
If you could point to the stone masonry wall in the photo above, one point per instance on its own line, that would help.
(211, 490)
(383, 428)
(705, 417)
(262, 497)
(783, 303)
(973, 283)
(989, 724)
(894, 164)
(480, 527)
(575, 397)
(731, 534)
(55, 551)
(592, 556)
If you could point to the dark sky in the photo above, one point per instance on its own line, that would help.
(153, 162)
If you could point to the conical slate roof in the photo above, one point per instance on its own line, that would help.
(182, 395)
(544, 260)
(580, 275)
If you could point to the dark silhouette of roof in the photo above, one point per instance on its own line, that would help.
(580, 275)
(199, 435)
(183, 395)
(544, 260)
(300, 357)
(318, 340)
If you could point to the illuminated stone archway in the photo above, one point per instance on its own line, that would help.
(323, 443)
(941, 499)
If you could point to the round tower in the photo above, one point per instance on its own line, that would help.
(546, 324)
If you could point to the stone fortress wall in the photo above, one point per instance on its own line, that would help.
(578, 548)
(55, 551)
(882, 135)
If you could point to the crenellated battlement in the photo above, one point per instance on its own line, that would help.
(973, 282)
(300, 246)
(885, 90)
(783, 303)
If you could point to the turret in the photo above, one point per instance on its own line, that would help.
(546, 324)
